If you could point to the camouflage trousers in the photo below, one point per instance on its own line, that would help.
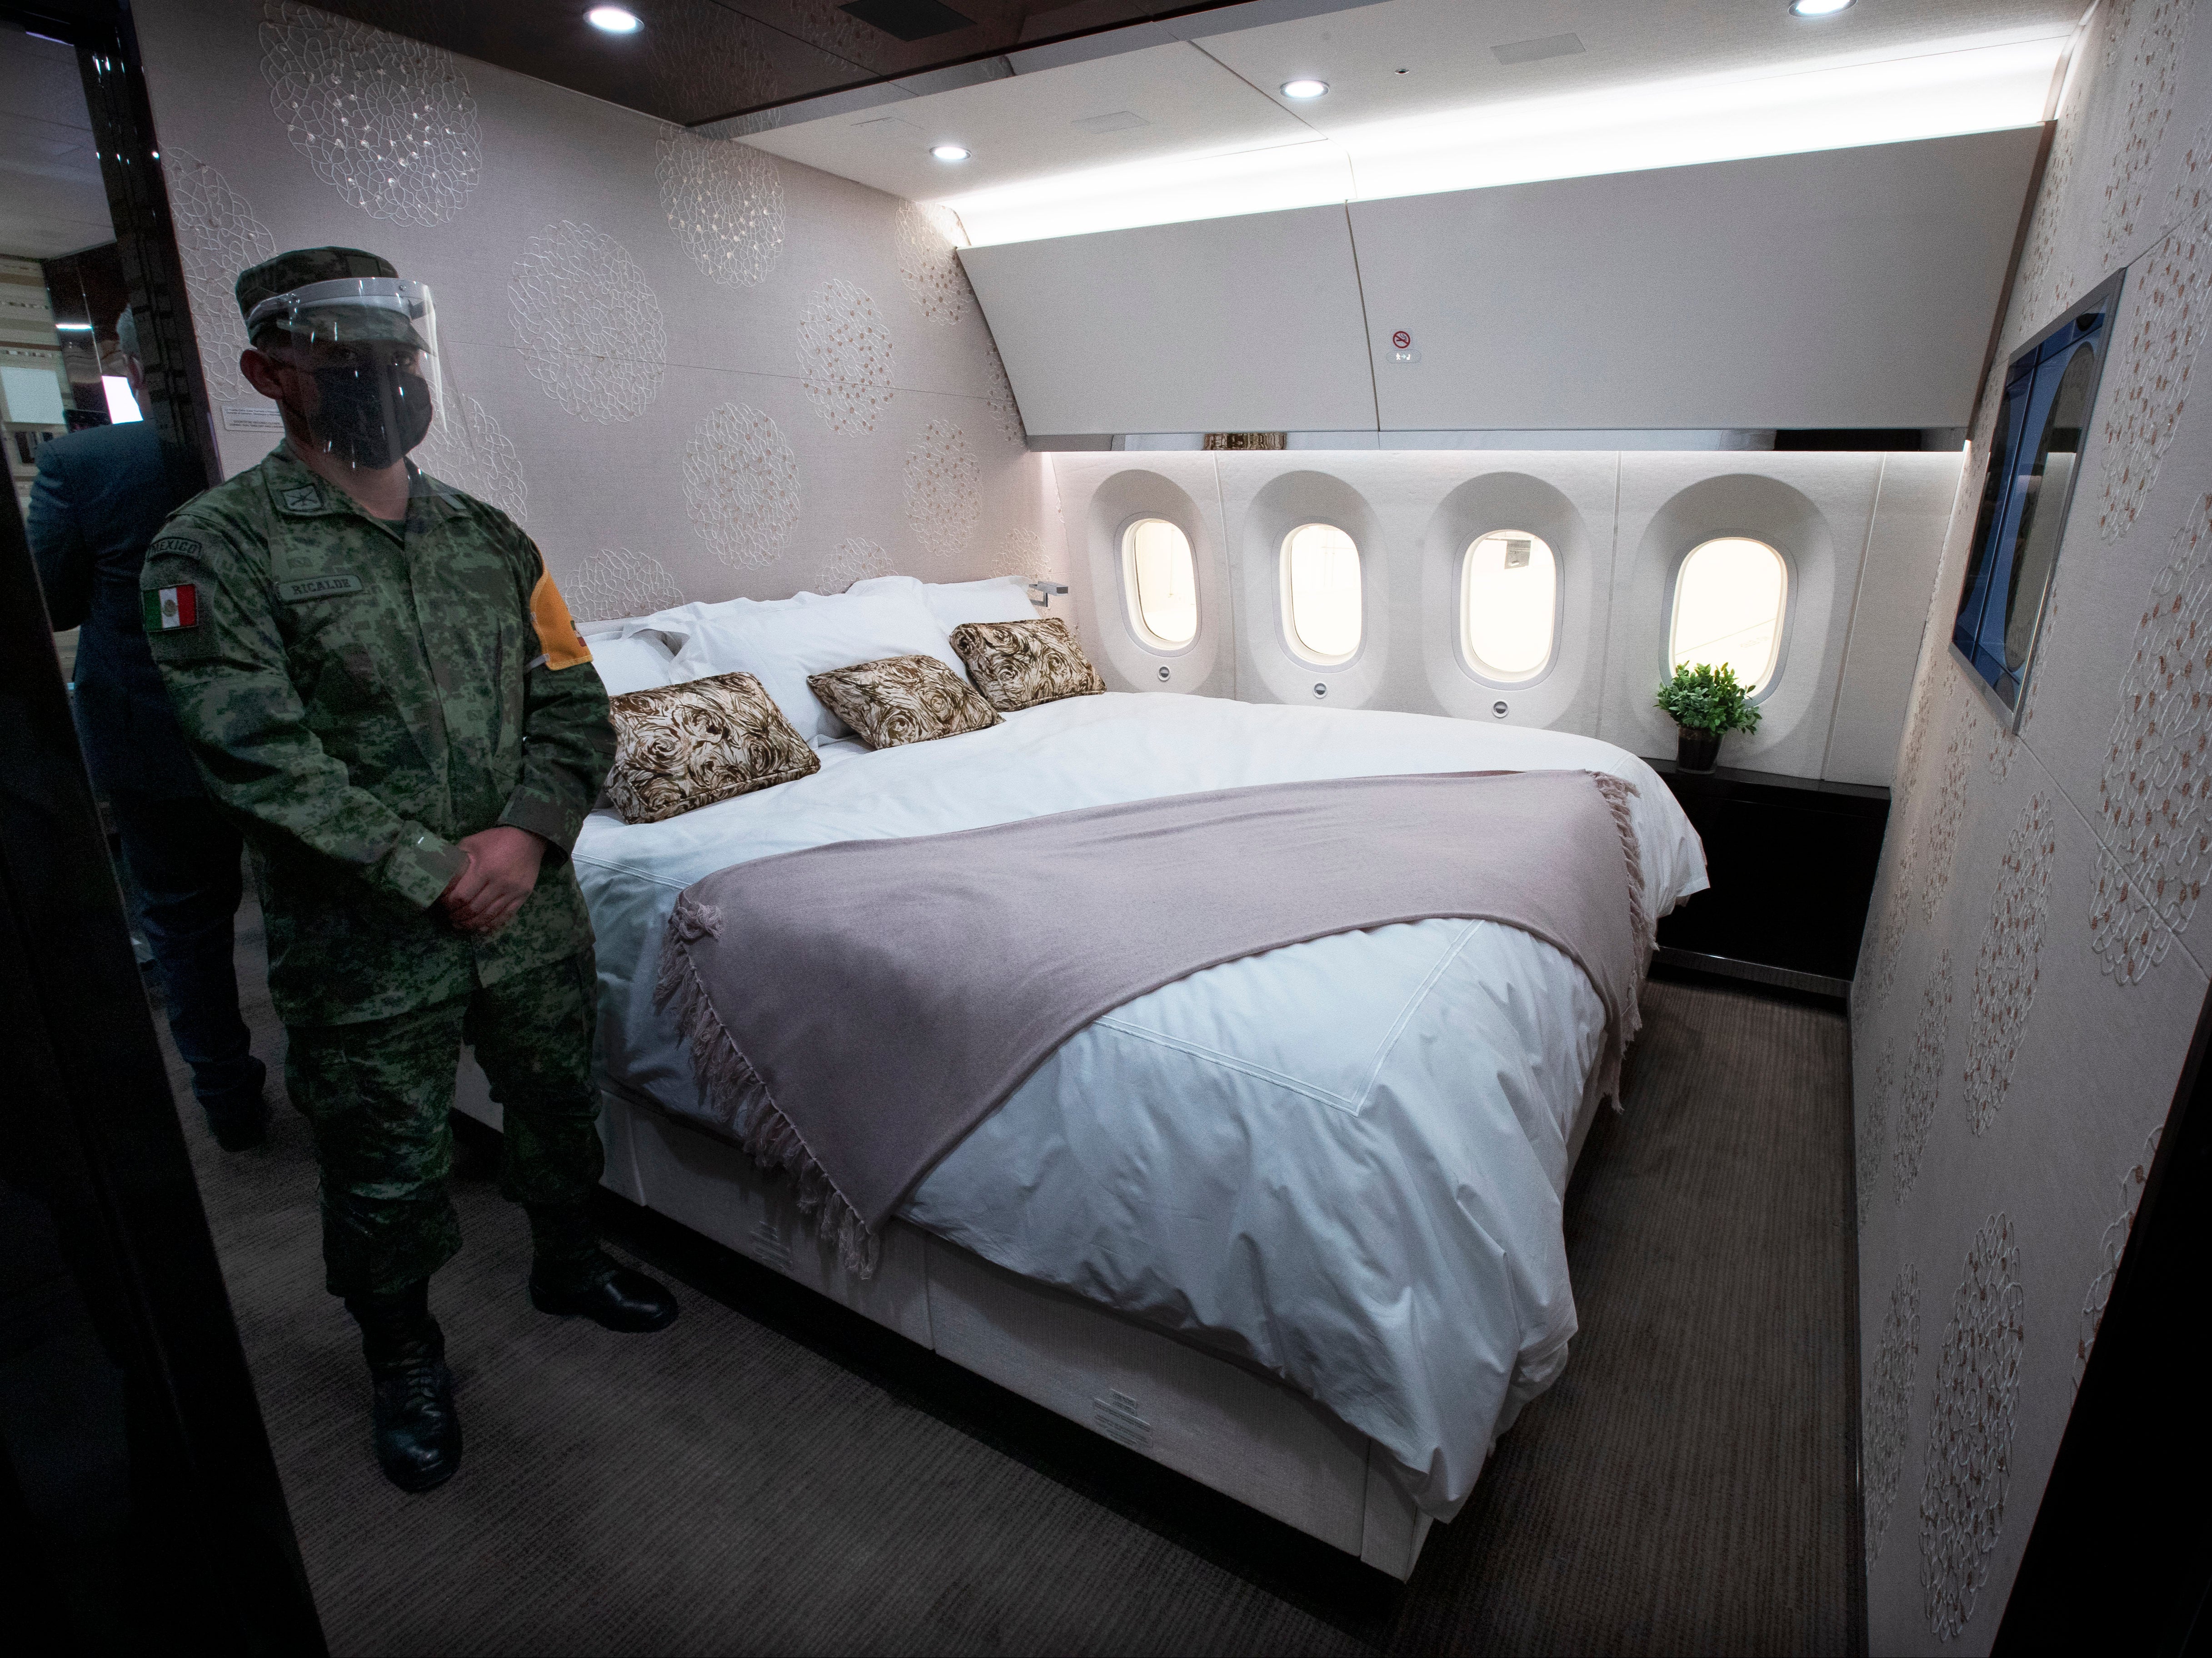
(377, 1095)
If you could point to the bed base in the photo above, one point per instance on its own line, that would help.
(1238, 1432)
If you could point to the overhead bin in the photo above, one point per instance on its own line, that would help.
(1836, 288)
(1243, 325)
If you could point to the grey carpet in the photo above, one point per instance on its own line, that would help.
(774, 1475)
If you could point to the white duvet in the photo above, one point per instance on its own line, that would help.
(1342, 1162)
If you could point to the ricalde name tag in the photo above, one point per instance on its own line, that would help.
(321, 587)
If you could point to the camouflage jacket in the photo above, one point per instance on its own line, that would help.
(361, 700)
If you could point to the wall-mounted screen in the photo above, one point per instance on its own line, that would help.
(2050, 393)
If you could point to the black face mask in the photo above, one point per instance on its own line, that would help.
(370, 416)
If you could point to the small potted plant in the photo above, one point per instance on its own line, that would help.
(1707, 704)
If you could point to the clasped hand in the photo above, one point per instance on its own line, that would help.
(502, 873)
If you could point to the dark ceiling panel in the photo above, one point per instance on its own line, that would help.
(696, 61)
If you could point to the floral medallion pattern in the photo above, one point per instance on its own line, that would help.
(588, 323)
(219, 236)
(1924, 1078)
(855, 559)
(1968, 1466)
(2111, 1247)
(2146, 389)
(725, 203)
(1889, 1405)
(2152, 798)
(2009, 964)
(741, 486)
(617, 583)
(845, 353)
(941, 506)
(1872, 1139)
(927, 264)
(468, 448)
(386, 122)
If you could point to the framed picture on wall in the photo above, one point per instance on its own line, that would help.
(2043, 422)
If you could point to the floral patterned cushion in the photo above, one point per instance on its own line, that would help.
(902, 699)
(1018, 665)
(681, 747)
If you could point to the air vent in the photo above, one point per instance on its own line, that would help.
(1121, 120)
(1526, 51)
(909, 20)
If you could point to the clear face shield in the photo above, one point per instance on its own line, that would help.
(370, 343)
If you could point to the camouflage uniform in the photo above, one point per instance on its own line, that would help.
(363, 696)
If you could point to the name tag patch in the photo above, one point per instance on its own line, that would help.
(321, 587)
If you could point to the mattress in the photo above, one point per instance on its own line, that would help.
(1340, 1163)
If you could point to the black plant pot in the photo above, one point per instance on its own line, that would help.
(1696, 749)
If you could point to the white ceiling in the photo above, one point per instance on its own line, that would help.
(51, 200)
(1209, 94)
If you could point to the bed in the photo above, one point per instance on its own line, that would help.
(1289, 1225)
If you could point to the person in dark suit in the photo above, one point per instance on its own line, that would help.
(100, 497)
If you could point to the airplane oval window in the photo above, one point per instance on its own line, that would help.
(1320, 594)
(1161, 581)
(1509, 605)
(1729, 598)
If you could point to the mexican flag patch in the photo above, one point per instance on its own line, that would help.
(171, 607)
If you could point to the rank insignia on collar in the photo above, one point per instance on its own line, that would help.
(307, 500)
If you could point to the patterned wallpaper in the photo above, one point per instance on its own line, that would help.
(2030, 978)
(691, 370)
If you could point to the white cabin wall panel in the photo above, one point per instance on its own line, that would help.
(1911, 512)
(1100, 494)
(1265, 496)
(1249, 324)
(1842, 288)
(1423, 507)
(1568, 499)
(1814, 509)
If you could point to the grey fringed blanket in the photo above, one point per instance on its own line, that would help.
(853, 1010)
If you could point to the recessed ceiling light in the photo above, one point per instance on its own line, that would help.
(950, 152)
(1817, 7)
(613, 20)
(74, 327)
(1304, 89)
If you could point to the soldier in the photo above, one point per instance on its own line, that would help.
(101, 497)
(378, 677)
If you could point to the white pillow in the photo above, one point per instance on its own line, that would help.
(783, 642)
(994, 598)
(633, 662)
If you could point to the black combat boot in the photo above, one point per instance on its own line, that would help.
(415, 1429)
(572, 1276)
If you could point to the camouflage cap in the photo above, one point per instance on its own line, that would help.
(303, 265)
(307, 267)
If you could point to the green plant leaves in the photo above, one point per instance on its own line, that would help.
(1703, 697)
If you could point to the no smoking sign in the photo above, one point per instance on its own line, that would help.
(1402, 346)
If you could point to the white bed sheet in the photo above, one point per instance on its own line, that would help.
(1342, 1162)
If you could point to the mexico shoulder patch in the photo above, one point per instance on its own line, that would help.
(165, 608)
